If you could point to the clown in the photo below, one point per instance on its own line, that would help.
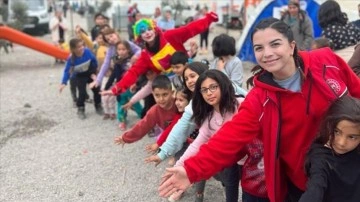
(159, 47)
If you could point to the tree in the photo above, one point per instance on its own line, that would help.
(104, 6)
(19, 10)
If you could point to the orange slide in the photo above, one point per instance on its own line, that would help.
(23, 39)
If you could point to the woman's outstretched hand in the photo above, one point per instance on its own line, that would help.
(175, 179)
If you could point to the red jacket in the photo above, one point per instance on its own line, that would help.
(155, 116)
(170, 41)
(163, 136)
(286, 122)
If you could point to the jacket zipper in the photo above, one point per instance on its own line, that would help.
(277, 148)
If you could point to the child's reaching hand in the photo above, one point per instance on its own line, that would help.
(127, 106)
(106, 92)
(93, 84)
(153, 158)
(152, 148)
(93, 77)
(119, 140)
(61, 88)
(133, 88)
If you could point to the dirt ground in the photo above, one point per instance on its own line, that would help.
(48, 154)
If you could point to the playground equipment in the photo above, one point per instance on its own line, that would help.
(23, 39)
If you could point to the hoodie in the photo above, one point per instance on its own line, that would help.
(285, 121)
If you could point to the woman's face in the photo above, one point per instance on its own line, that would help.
(190, 78)
(274, 53)
(148, 36)
(180, 101)
(211, 92)
(79, 49)
(293, 10)
(122, 51)
(112, 38)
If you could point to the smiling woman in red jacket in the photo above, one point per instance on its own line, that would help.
(291, 94)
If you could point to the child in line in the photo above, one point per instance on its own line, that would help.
(181, 101)
(160, 114)
(185, 125)
(143, 93)
(108, 101)
(99, 20)
(111, 37)
(98, 46)
(214, 103)
(121, 65)
(178, 61)
(223, 47)
(321, 42)
(333, 161)
(81, 65)
(185, 129)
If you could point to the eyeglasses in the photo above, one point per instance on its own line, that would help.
(212, 89)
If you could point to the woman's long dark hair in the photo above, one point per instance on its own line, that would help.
(345, 108)
(330, 14)
(197, 67)
(283, 29)
(201, 109)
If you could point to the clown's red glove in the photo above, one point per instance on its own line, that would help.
(213, 16)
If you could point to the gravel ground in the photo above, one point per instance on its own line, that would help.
(48, 154)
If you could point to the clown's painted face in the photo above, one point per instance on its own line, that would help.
(145, 28)
(148, 35)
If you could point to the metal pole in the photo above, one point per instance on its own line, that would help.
(72, 23)
(227, 24)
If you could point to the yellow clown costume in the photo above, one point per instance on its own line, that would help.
(157, 57)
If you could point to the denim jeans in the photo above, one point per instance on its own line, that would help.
(81, 83)
(230, 179)
(246, 197)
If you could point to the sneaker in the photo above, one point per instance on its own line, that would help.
(81, 113)
(122, 126)
(112, 116)
(106, 116)
(89, 100)
(99, 110)
(199, 197)
(74, 104)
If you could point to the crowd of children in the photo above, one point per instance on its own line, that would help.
(208, 125)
